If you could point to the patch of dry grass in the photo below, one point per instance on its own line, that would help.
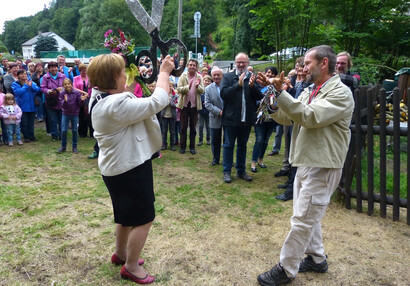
(56, 225)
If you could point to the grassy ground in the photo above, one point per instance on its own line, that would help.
(56, 225)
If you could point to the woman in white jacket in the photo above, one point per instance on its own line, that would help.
(129, 136)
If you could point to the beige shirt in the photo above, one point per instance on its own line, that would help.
(321, 134)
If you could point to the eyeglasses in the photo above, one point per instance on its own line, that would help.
(241, 63)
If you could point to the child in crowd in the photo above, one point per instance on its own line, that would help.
(11, 114)
(204, 116)
(168, 115)
(71, 100)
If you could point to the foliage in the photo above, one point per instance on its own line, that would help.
(373, 29)
(45, 43)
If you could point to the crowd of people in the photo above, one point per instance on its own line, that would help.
(313, 107)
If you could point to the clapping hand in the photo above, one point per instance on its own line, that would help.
(276, 82)
(252, 80)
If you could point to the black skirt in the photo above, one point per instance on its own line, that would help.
(132, 195)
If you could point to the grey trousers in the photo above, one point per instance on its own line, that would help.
(312, 190)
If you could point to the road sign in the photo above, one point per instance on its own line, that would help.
(197, 16)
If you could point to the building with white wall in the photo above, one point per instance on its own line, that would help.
(28, 47)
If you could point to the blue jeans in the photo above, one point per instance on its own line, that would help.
(39, 111)
(54, 121)
(64, 128)
(204, 120)
(27, 124)
(278, 138)
(240, 134)
(263, 131)
(11, 129)
(216, 139)
(168, 123)
(177, 131)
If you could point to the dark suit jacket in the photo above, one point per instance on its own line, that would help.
(231, 93)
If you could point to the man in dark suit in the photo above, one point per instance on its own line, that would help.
(214, 104)
(239, 93)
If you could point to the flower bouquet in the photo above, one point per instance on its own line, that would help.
(125, 47)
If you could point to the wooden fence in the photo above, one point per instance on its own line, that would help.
(364, 130)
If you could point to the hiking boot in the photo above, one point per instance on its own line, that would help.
(286, 196)
(308, 265)
(61, 150)
(273, 277)
(227, 178)
(244, 176)
(282, 173)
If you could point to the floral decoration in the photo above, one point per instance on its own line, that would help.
(125, 47)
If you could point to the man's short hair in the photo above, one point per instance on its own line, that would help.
(349, 59)
(104, 70)
(322, 52)
(194, 60)
(242, 53)
(300, 60)
(216, 69)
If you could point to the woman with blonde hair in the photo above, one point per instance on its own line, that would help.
(129, 137)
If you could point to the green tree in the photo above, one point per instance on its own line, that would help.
(45, 43)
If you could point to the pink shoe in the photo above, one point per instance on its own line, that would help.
(118, 261)
(148, 279)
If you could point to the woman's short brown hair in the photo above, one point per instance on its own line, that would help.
(104, 70)
(81, 67)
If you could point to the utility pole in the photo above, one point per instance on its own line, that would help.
(180, 28)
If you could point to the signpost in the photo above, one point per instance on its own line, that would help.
(197, 33)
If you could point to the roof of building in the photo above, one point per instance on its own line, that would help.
(32, 41)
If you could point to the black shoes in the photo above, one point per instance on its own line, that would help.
(227, 178)
(286, 196)
(263, 166)
(308, 265)
(281, 173)
(173, 148)
(61, 150)
(273, 277)
(182, 151)
(193, 152)
(283, 186)
(244, 176)
(254, 170)
(214, 162)
(273, 153)
(200, 143)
